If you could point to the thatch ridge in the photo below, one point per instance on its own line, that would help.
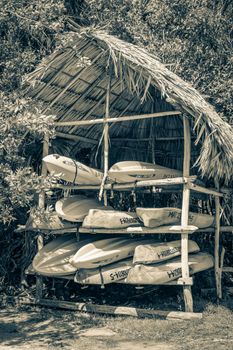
(140, 70)
(215, 133)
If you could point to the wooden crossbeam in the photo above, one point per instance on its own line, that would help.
(76, 138)
(142, 230)
(201, 189)
(117, 120)
(137, 184)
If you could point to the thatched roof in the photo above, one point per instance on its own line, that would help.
(72, 83)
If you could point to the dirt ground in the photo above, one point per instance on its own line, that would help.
(34, 328)
(51, 329)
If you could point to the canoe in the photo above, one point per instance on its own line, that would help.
(168, 271)
(154, 217)
(51, 221)
(113, 219)
(130, 171)
(75, 208)
(106, 251)
(104, 275)
(70, 170)
(157, 252)
(53, 258)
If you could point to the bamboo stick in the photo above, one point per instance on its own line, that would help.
(76, 138)
(105, 141)
(188, 300)
(201, 189)
(41, 204)
(137, 184)
(45, 152)
(216, 245)
(117, 120)
(143, 230)
(39, 279)
(171, 138)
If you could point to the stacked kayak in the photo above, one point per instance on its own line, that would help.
(76, 208)
(106, 251)
(131, 171)
(104, 275)
(168, 271)
(111, 219)
(50, 221)
(157, 252)
(53, 258)
(128, 260)
(70, 170)
(154, 217)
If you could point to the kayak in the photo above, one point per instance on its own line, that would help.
(110, 219)
(51, 221)
(75, 208)
(106, 251)
(53, 258)
(104, 275)
(70, 170)
(154, 217)
(168, 271)
(130, 171)
(157, 252)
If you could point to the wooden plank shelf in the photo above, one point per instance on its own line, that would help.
(131, 185)
(22, 228)
(142, 230)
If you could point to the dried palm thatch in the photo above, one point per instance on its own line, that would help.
(72, 83)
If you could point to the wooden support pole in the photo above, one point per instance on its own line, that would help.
(45, 152)
(105, 142)
(216, 245)
(41, 205)
(188, 300)
(117, 120)
(39, 279)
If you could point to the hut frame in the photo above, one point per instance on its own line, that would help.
(187, 181)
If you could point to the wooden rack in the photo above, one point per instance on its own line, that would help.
(186, 181)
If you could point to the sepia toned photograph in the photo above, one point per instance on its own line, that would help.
(116, 181)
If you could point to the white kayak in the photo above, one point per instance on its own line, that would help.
(72, 171)
(154, 217)
(104, 275)
(106, 251)
(130, 171)
(75, 208)
(157, 252)
(168, 271)
(110, 219)
(53, 258)
(50, 221)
